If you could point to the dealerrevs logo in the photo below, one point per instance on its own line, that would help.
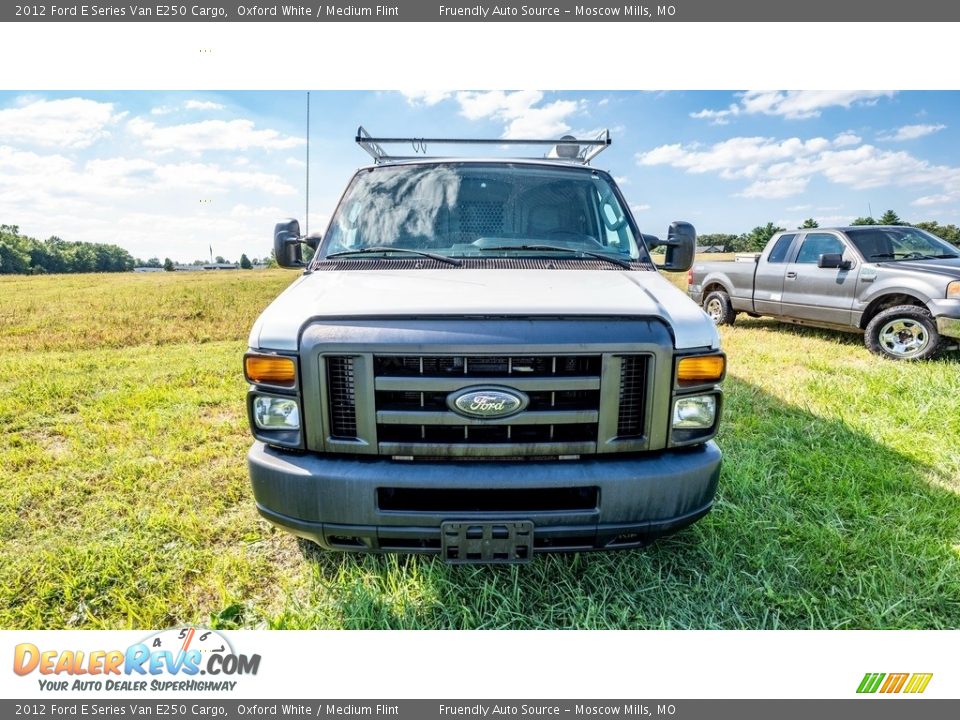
(892, 683)
(171, 660)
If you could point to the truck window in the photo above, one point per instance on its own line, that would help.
(779, 252)
(817, 244)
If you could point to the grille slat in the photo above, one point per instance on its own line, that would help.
(342, 394)
(633, 389)
(411, 403)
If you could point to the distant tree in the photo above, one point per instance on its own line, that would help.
(271, 262)
(809, 223)
(168, 265)
(890, 218)
(724, 241)
(757, 239)
(245, 263)
(864, 221)
(220, 260)
(153, 262)
(14, 250)
(950, 233)
(22, 254)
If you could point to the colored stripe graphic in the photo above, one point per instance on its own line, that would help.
(918, 682)
(895, 682)
(870, 682)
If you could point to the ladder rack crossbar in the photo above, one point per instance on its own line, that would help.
(568, 148)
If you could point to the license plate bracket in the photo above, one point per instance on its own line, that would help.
(494, 543)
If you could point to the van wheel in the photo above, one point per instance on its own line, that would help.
(718, 307)
(904, 332)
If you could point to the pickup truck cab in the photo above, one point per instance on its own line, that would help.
(481, 361)
(898, 285)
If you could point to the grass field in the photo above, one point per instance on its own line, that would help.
(124, 501)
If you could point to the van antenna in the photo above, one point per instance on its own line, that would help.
(307, 210)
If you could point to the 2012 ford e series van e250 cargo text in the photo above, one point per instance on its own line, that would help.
(481, 360)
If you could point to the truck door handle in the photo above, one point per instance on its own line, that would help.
(791, 275)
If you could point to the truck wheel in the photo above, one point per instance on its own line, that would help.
(717, 305)
(904, 332)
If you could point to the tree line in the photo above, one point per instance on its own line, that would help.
(756, 240)
(171, 265)
(23, 255)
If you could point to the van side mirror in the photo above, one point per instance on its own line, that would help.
(651, 241)
(286, 244)
(833, 260)
(681, 244)
(313, 240)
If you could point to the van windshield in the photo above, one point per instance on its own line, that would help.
(463, 210)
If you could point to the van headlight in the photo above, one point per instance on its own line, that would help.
(953, 290)
(697, 412)
(276, 413)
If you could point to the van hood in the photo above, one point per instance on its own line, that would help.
(484, 292)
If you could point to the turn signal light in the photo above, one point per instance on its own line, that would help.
(270, 370)
(701, 369)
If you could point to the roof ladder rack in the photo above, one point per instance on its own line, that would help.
(565, 149)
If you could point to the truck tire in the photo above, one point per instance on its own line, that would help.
(904, 332)
(718, 307)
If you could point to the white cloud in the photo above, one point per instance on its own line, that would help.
(940, 199)
(26, 176)
(69, 123)
(639, 208)
(791, 104)
(717, 117)
(775, 188)
(295, 162)
(799, 208)
(621, 180)
(910, 132)
(202, 105)
(209, 135)
(739, 157)
(426, 97)
(847, 138)
(783, 168)
(520, 111)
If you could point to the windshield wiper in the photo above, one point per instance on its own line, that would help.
(382, 249)
(557, 248)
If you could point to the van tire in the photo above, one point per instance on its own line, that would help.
(718, 308)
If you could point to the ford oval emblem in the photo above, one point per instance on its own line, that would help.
(487, 402)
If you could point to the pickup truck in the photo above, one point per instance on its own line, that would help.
(898, 285)
(481, 361)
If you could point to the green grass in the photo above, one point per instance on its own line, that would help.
(124, 501)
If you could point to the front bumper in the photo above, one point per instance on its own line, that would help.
(336, 501)
(948, 327)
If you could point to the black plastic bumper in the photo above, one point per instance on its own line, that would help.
(342, 502)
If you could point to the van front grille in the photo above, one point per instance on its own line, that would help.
(414, 417)
(342, 392)
(633, 389)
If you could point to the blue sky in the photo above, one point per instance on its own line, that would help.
(171, 173)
